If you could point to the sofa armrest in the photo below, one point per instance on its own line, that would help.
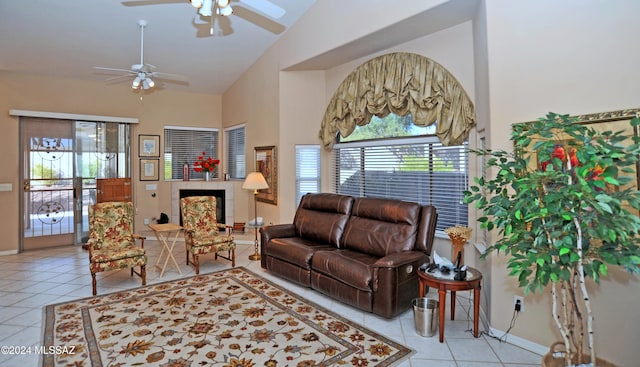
(395, 282)
(277, 231)
(270, 232)
(400, 258)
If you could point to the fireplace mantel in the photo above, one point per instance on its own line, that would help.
(201, 185)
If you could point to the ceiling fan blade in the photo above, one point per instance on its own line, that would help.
(150, 2)
(258, 19)
(116, 78)
(265, 7)
(114, 69)
(170, 76)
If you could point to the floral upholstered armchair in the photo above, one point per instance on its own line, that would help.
(112, 241)
(202, 230)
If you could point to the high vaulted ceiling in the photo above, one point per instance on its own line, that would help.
(67, 38)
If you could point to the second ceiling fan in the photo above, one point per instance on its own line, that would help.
(142, 73)
(208, 10)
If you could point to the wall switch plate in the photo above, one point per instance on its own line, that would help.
(146, 221)
(151, 187)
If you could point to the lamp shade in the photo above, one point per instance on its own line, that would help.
(136, 82)
(255, 181)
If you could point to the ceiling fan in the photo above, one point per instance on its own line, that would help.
(212, 8)
(142, 73)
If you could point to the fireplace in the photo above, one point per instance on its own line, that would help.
(222, 190)
(220, 200)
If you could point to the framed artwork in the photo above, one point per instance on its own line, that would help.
(149, 146)
(149, 170)
(606, 121)
(265, 158)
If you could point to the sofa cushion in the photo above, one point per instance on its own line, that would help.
(381, 227)
(352, 268)
(294, 250)
(322, 217)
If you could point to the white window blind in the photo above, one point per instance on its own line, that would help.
(235, 152)
(184, 144)
(307, 170)
(418, 169)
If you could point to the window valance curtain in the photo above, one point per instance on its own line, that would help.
(401, 83)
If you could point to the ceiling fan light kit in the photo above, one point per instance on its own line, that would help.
(205, 7)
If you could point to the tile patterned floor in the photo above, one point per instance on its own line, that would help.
(31, 280)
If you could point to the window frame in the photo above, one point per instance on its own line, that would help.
(318, 168)
(228, 162)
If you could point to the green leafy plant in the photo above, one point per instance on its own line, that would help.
(565, 204)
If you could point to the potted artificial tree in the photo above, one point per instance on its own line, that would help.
(565, 203)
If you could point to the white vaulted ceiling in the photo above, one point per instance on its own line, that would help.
(67, 38)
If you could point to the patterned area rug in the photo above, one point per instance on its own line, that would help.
(232, 318)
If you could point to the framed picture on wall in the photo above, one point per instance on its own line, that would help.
(149, 146)
(149, 170)
(266, 164)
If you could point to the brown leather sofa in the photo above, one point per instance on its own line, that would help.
(364, 252)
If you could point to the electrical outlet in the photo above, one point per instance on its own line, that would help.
(146, 221)
(518, 300)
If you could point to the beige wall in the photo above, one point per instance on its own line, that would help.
(571, 57)
(157, 109)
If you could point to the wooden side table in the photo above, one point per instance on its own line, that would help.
(444, 283)
(163, 233)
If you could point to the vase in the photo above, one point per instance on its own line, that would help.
(207, 176)
(457, 246)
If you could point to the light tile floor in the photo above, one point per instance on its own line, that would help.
(31, 280)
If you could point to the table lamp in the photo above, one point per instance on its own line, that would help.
(255, 181)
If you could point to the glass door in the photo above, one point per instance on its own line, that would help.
(102, 152)
(61, 161)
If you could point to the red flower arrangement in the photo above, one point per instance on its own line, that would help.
(205, 164)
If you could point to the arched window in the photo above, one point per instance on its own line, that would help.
(398, 126)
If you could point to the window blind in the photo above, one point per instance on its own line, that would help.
(183, 144)
(235, 152)
(307, 170)
(416, 169)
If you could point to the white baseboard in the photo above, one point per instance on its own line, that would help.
(8, 252)
(522, 343)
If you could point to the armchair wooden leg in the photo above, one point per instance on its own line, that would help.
(143, 274)
(93, 283)
(187, 257)
(233, 257)
(196, 262)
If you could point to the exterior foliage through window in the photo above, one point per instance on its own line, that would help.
(393, 158)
